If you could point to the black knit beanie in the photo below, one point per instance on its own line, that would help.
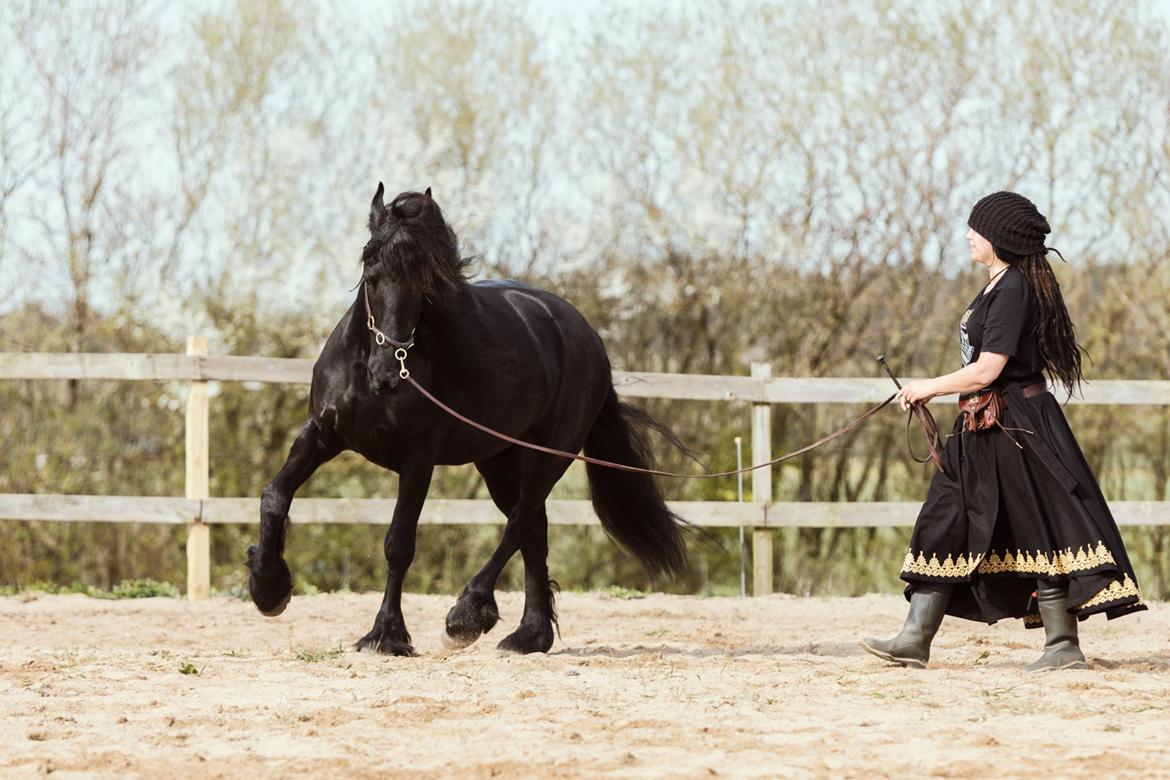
(1010, 221)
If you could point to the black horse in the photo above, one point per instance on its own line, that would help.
(514, 357)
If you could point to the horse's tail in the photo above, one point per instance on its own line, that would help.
(630, 505)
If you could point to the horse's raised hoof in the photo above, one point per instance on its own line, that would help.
(378, 642)
(278, 609)
(468, 619)
(270, 585)
(456, 643)
(528, 639)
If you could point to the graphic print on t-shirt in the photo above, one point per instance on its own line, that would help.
(964, 340)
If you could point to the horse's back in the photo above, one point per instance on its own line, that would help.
(529, 302)
(557, 335)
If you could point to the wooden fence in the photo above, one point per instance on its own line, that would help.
(199, 511)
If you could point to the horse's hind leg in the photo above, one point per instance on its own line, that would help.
(535, 633)
(524, 480)
(269, 580)
(475, 611)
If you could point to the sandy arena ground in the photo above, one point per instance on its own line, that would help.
(664, 686)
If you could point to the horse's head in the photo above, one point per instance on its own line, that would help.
(411, 259)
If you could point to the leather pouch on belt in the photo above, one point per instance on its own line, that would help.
(981, 410)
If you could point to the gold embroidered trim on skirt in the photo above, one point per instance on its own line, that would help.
(960, 567)
(1117, 591)
(1059, 562)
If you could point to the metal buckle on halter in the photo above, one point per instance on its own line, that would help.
(400, 356)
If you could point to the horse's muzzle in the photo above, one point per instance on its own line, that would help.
(387, 386)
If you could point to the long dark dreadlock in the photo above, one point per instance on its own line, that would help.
(1057, 334)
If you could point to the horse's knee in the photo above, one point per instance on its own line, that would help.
(274, 503)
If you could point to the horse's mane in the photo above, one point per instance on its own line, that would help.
(418, 248)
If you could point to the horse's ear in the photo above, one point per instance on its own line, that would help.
(377, 210)
(428, 194)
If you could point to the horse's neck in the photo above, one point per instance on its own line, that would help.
(356, 334)
(452, 315)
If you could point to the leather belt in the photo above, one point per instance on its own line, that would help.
(1031, 391)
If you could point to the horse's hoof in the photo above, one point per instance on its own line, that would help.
(525, 640)
(376, 642)
(471, 617)
(278, 609)
(270, 585)
(455, 643)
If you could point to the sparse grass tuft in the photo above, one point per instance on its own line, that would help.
(312, 655)
(619, 592)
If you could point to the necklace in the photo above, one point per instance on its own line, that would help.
(995, 276)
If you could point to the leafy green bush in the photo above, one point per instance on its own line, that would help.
(140, 589)
(126, 589)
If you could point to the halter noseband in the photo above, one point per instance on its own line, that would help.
(401, 348)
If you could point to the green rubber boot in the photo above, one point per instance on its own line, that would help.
(911, 647)
(1062, 650)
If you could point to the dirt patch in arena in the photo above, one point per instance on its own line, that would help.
(662, 686)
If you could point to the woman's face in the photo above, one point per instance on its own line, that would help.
(981, 251)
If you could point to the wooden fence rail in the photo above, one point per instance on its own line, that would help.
(199, 511)
(762, 388)
(761, 515)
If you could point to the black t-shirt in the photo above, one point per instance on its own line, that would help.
(1003, 321)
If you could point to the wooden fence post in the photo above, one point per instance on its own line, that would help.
(198, 480)
(761, 487)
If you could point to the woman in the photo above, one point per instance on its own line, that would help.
(1016, 525)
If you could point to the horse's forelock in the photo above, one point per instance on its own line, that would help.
(421, 253)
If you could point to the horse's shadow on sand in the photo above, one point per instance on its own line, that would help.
(1137, 663)
(808, 652)
(830, 649)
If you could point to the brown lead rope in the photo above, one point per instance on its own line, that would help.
(934, 440)
(609, 464)
(925, 422)
(401, 350)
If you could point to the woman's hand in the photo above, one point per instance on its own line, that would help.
(917, 392)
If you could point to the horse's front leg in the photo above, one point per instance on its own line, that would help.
(269, 580)
(389, 634)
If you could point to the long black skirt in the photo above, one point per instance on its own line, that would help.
(1015, 507)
